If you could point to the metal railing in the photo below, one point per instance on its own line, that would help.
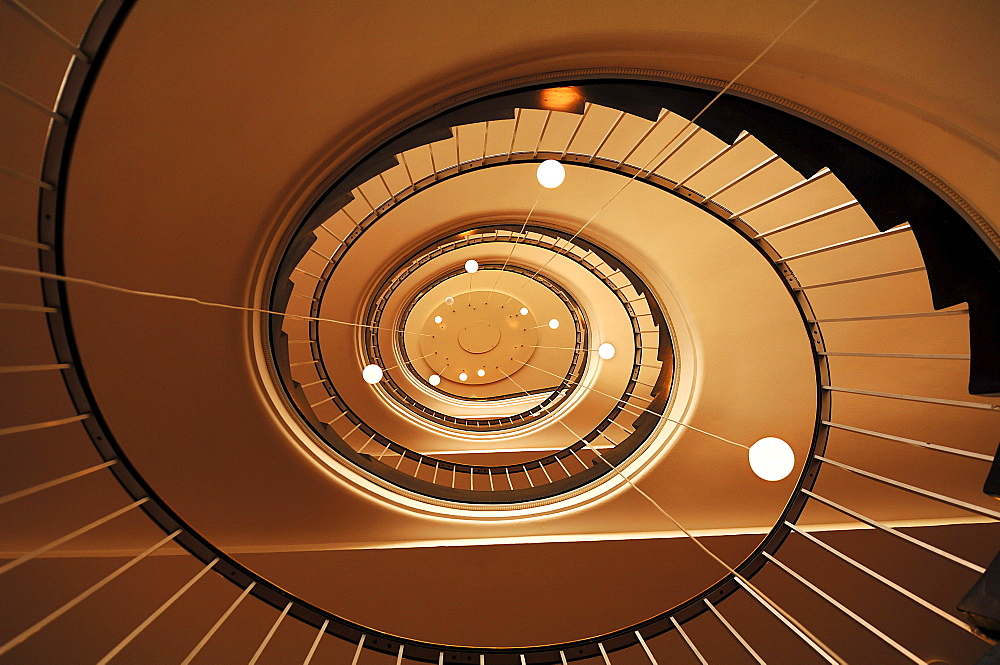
(85, 59)
(537, 478)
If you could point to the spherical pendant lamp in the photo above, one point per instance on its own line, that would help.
(550, 174)
(771, 458)
(372, 374)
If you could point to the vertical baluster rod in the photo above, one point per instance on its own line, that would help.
(218, 624)
(315, 644)
(160, 610)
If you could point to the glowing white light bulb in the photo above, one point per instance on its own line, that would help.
(771, 458)
(449, 301)
(554, 323)
(471, 266)
(438, 319)
(606, 351)
(550, 174)
(481, 372)
(372, 374)
(463, 376)
(524, 311)
(434, 379)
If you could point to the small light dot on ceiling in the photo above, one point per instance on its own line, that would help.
(550, 174)
(606, 351)
(771, 458)
(434, 379)
(524, 311)
(554, 323)
(449, 301)
(438, 319)
(372, 374)
(471, 266)
(463, 376)
(481, 372)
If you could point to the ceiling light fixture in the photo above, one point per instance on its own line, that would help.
(434, 379)
(524, 311)
(449, 301)
(463, 376)
(471, 266)
(481, 372)
(371, 374)
(550, 174)
(438, 319)
(553, 323)
(771, 458)
(606, 351)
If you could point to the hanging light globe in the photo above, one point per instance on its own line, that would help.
(771, 458)
(471, 266)
(606, 351)
(550, 174)
(372, 374)
(434, 379)
(553, 323)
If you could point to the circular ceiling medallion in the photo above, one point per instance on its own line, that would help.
(482, 334)
(479, 337)
(491, 393)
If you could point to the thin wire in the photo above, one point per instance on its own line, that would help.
(688, 124)
(693, 538)
(165, 296)
(410, 360)
(99, 285)
(690, 535)
(513, 246)
(635, 406)
(709, 552)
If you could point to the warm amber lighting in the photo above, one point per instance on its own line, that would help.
(568, 99)
(449, 301)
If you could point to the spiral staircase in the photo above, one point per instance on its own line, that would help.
(191, 483)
